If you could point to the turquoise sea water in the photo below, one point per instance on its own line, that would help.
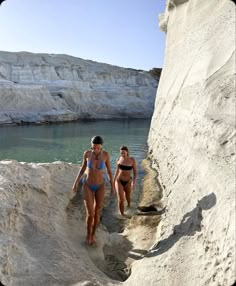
(67, 142)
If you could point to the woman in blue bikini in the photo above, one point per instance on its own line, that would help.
(95, 161)
(123, 181)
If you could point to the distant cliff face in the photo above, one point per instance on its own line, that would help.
(48, 87)
(192, 145)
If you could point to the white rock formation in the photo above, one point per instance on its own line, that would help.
(41, 233)
(192, 146)
(48, 87)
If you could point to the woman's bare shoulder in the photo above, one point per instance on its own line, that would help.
(118, 160)
(87, 153)
(132, 159)
(105, 155)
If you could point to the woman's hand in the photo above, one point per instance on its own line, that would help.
(74, 188)
(133, 184)
(112, 188)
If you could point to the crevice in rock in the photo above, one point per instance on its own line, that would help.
(150, 210)
(141, 220)
(4, 77)
(117, 269)
(122, 248)
(57, 70)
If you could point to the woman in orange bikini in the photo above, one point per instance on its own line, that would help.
(123, 181)
(95, 161)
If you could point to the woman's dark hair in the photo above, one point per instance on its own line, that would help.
(125, 148)
(97, 140)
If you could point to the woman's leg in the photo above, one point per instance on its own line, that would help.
(88, 203)
(99, 198)
(120, 195)
(127, 190)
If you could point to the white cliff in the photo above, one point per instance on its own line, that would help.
(48, 87)
(192, 147)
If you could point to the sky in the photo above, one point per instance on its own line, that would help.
(117, 32)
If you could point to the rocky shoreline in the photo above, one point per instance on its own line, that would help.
(38, 88)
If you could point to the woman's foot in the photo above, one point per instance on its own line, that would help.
(121, 216)
(87, 240)
(92, 240)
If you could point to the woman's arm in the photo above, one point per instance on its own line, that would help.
(109, 173)
(135, 173)
(116, 171)
(80, 174)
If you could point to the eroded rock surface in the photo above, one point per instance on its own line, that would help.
(39, 88)
(192, 147)
(41, 233)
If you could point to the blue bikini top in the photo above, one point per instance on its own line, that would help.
(101, 165)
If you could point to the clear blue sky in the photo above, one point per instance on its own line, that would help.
(118, 32)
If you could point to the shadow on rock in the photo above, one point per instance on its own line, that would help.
(112, 220)
(150, 210)
(189, 225)
(115, 257)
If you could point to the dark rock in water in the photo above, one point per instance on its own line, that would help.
(150, 210)
(147, 208)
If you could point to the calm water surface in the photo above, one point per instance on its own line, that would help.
(67, 142)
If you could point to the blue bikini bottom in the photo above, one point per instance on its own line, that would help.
(93, 187)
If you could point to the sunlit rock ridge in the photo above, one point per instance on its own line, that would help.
(49, 87)
(192, 146)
